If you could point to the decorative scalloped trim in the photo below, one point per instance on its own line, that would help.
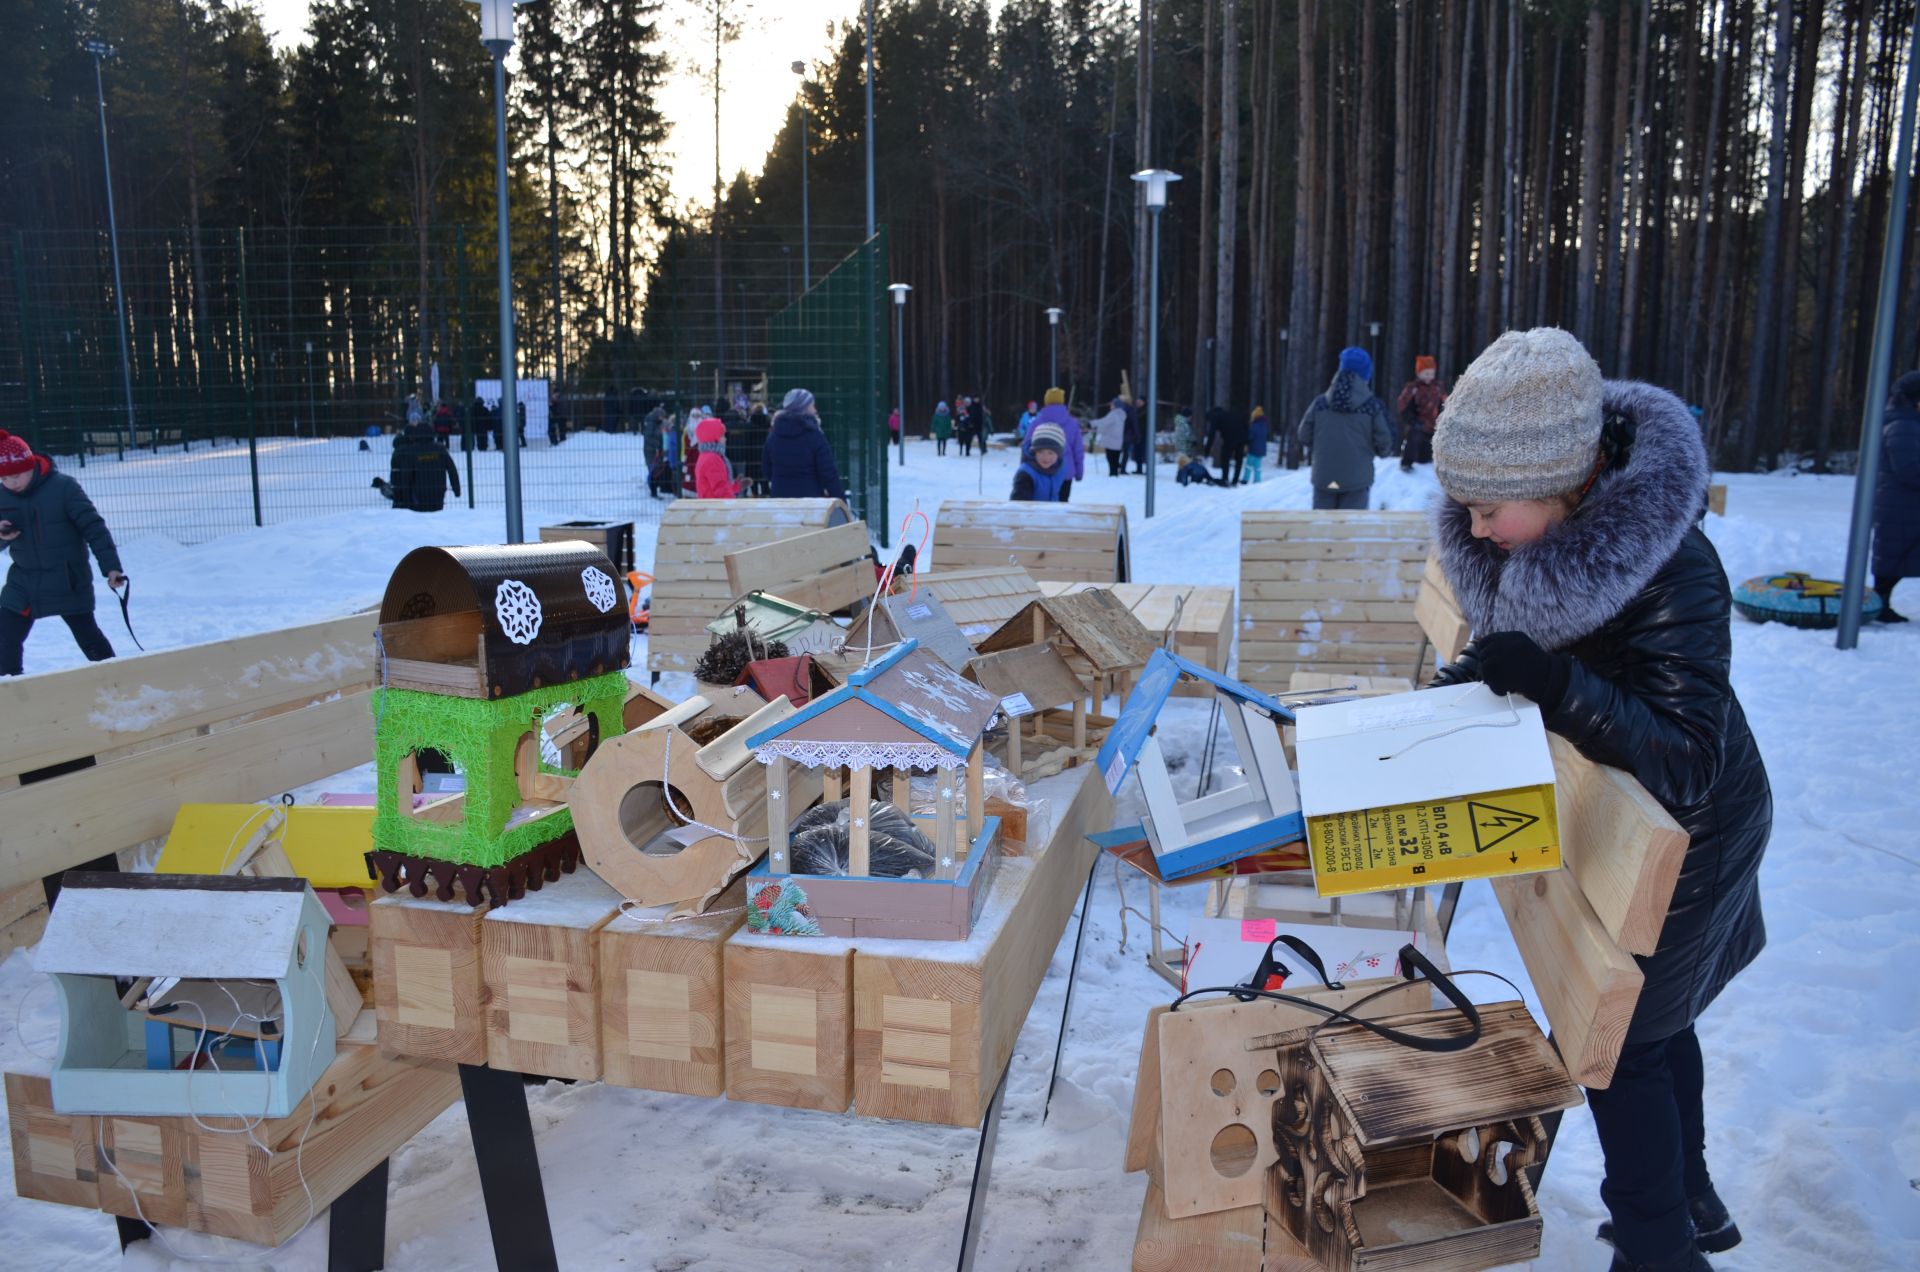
(907, 755)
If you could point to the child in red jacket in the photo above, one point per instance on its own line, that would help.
(712, 474)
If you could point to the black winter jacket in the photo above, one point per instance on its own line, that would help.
(797, 462)
(1896, 496)
(1635, 594)
(57, 524)
(421, 470)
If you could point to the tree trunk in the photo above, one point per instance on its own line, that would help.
(1805, 84)
(1206, 278)
(1106, 241)
(1300, 300)
(1400, 311)
(1456, 181)
(1592, 159)
(1613, 236)
(1488, 275)
(1691, 332)
(1760, 348)
(1636, 181)
(1360, 299)
(1224, 274)
(1849, 96)
(1143, 157)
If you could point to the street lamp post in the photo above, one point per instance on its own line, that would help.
(1053, 348)
(806, 227)
(100, 49)
(496, 32)
(1373, 340)
(1286, 391)
(313, 419)
(1156, 180)
(900, 291)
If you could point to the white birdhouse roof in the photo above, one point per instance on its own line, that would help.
(196, 926)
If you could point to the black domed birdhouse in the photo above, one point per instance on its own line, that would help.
(486, 655)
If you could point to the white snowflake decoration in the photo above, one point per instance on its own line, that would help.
(518, 610)
(599, 588)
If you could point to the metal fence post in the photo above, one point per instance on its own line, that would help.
(466, 348)
(246, 380)
(26, 345)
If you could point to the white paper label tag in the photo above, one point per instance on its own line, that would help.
(1016, 704)
(1116, 773)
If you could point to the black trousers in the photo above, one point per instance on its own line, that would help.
(1116, 463)
(1342, 500)
(1653, 1135)
(1231, 458)
(1418, 448)
(13, 638)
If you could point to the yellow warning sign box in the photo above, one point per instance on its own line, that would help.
(1407, 845)
(1434, 786)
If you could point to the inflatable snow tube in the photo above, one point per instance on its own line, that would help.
(1797, 600)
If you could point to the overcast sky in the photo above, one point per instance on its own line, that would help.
(756, 82)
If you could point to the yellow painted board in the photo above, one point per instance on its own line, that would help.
(327, 845)
(1406, 845)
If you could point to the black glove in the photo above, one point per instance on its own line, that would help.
(1510, 662)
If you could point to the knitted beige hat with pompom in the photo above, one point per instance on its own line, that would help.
(1523, 422)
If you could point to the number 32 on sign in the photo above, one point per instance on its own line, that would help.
(1407, 845)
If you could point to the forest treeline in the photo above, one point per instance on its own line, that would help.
(1700, 191)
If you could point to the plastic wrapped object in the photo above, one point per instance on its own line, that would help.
(818, 842)
(999, 784)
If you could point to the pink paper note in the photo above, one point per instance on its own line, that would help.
(1260, 930)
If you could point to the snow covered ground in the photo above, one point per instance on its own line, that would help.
(1813, 1089)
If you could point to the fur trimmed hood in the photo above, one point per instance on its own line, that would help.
(1583, 572)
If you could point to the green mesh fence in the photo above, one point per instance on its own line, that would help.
(833, 341)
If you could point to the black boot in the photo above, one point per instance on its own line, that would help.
(1887, 614)
(1713, 1228)
(1689, 1260)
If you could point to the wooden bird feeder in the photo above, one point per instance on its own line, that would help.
(228, 976)
(1259, 813)
(1045, 704)
(905, 711)
(1391, 1158)
(1098, 636)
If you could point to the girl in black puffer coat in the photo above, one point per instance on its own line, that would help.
(1570, 536)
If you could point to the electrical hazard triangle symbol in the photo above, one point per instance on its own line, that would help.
(1493, 824)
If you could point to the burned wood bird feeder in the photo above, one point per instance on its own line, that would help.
(1391, 1158)
(480, 648)
(905, 711)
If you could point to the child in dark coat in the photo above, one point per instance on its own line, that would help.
(47, 524)
(1043, 476)
(1569, 534)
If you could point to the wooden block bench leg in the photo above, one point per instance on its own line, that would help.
(661, 1000)
(789, 1024)
(429, 998)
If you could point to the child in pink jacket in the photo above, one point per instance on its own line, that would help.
(712, 474)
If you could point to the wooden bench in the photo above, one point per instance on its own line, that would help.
(95, 763)
(1330, 591)
(1077, 543)
(99, 441)
(690, 586)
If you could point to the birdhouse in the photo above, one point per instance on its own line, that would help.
(1389, 1157)
(488, 655)
(868, 868)
(187, 994)
(673, 809)
(1260, 812)
(1045, 705)
(1099, 637)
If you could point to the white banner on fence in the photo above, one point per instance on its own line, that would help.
(530, 398)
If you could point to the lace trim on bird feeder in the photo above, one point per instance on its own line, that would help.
(918, 755)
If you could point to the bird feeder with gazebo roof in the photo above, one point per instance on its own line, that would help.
(905, 711)
(479, 647)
